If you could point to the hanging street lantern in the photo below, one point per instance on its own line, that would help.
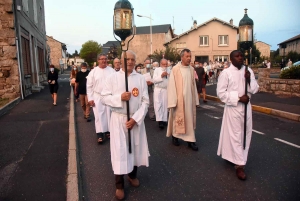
(124, 27)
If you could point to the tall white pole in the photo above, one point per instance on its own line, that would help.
(151, 33)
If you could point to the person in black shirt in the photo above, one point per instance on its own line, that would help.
(53, 84)
(80, 88)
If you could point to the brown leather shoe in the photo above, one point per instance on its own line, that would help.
(240, 173)
(120, 194)
(134, 182)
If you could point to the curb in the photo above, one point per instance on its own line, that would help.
(72, 179)
(266, 110)
(6, 108)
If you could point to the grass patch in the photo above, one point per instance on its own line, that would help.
(3, 101)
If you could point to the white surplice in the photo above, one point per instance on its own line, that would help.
(122, 161)
(94, 87)
(160, 95)
(231, 86)
(189, 136)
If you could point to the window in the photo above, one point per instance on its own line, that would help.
(221, 58)
(181, 45)
(41, 60)
(203, 40)
(223, 40)
(35, 11)
(25, 5)
(26, 55)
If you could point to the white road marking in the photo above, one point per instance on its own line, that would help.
(258, 132)
(211, 116)
(286, 142)
(207, 107)
(221, 105)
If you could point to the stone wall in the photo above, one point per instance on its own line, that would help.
(9, 73)
(286, 87)
(55, 51)
(272, 70)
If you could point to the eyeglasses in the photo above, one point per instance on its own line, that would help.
(103, 59)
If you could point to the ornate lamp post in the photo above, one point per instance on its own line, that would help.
(246, 42)
(123, 27)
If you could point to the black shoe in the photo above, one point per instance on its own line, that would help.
(100, 137)
(161, 125)
(204, 101)
(88, 119)
(175, 141)
(193, 146)
(165, 123)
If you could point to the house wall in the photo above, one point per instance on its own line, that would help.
(9, 74)
(290, 46)
(140, 44)
(212, 30)
(263, 48)
(55, 51)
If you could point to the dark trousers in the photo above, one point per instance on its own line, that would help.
(120, 178)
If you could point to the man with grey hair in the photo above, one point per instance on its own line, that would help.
(182, 102)
(149, 79)
(117, 64)
(160, 96)
(94, 87)
(114, 95)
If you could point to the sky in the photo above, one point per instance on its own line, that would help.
(74, 22)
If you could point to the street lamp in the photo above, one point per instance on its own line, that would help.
(123, 27)
(150, 31)
(246, 42)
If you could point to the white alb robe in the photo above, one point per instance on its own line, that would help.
(160, 95)
(189, 136)
(122, 161)
(94, 87)
(231, 86)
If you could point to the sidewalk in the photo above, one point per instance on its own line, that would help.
(34, 147)
(286, 107)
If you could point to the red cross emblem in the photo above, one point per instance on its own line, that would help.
(135, 92)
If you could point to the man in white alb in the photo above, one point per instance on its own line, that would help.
(114, 95)
(160, 96)
(182, 102)
(94, 87)
(231, 91)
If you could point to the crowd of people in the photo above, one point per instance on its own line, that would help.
(168, 94)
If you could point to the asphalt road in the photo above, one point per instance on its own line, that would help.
(178, 173)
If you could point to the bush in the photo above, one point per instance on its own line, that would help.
(291, 73)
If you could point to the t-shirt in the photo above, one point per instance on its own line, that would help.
(81, 79)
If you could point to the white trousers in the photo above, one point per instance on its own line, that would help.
(160, 99)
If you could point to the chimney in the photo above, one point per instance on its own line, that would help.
(195, 24)
(231, 21)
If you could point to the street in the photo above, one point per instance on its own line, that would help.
(178, 173)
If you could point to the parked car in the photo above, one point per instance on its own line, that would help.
(294, 64)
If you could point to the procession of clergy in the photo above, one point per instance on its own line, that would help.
(175, 99)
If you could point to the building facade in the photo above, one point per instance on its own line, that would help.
(212, 40)
(141, 43)
(22, 48)
(264, 49)
(292, 44)
(57, 53)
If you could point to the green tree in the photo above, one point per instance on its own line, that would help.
(293, 56)
(89, 51)
(169, 53)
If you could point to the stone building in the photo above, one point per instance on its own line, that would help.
(211, 40)
(141, 43)
(57, 53)
(292, 44)
(264, 48)
(22, 48)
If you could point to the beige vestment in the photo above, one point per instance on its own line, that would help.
(182, 101)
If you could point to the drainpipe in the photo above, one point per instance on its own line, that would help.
(18, 48)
